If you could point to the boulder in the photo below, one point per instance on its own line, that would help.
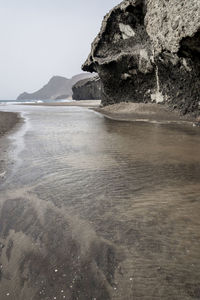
(87, 89)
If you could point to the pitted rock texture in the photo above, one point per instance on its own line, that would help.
(149, 51)
(87, 89)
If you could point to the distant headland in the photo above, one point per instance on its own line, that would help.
(57, 88)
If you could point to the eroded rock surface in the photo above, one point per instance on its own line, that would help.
(87, 89)
(149, 51)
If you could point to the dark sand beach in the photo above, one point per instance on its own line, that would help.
(127, 111)
(8, 120)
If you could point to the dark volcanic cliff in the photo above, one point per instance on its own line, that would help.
(87, 89)
(149, 51)
(57, 88)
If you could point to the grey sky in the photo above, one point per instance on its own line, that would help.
(42, 38)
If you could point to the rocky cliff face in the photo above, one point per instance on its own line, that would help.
(87, 89)
(57, 88)
(149, 51)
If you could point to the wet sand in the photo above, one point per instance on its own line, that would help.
(8, 120)
(99, 209)
(144, 112)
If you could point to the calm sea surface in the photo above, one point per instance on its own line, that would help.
(95, 209)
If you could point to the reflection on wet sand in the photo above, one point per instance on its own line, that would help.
(47, 253)
(99, 209)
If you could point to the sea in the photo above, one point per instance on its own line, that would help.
(33, 101)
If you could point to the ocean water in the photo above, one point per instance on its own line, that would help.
(92, 208)
(32, 101)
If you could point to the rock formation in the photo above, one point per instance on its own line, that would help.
(149, 51)
(57, 88)
(87, 89)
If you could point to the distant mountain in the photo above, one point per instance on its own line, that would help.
(58, 87)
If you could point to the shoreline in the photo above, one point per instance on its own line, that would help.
(8, 121)
(150, 112)
(130, 111)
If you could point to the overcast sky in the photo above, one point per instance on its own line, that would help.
(43, 38)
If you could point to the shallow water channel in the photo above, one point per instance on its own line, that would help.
(95, 209)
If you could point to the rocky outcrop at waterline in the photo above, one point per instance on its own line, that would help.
(149, 51)
(87, 89)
